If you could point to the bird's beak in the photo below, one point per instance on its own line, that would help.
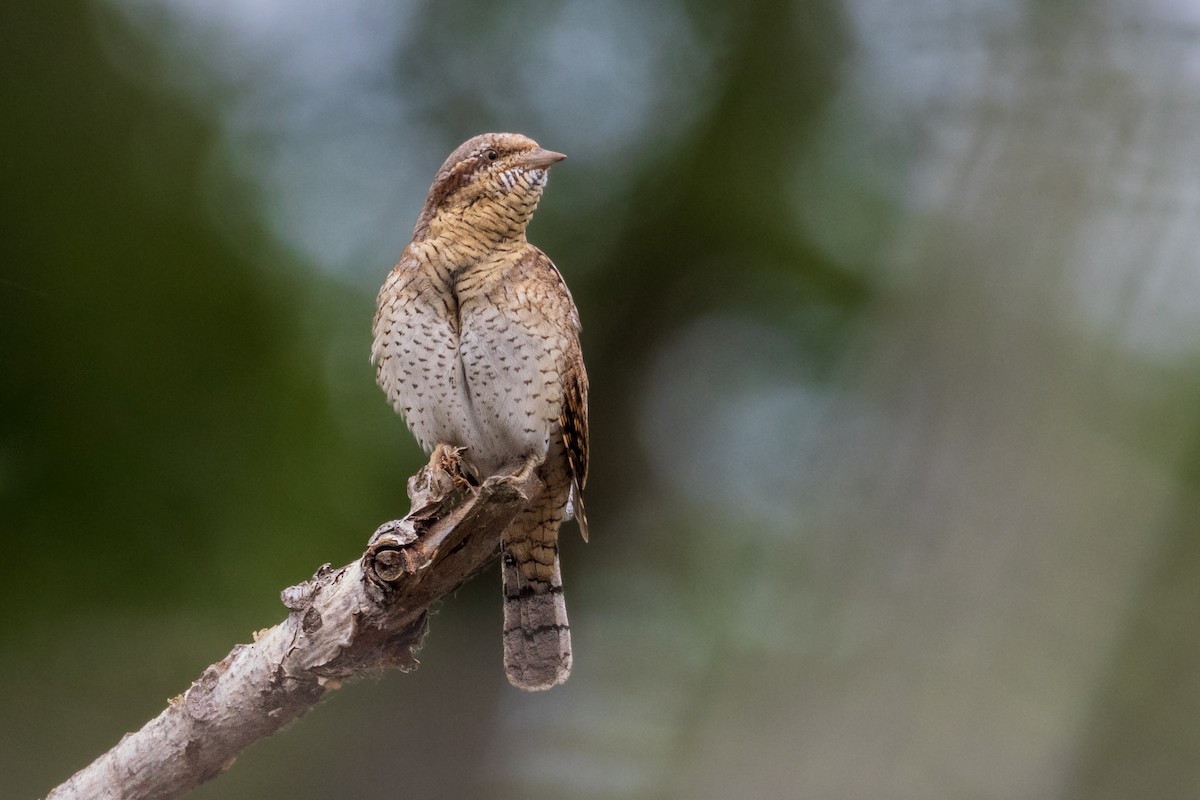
(539, 158)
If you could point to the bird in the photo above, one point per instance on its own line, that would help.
(477, 346)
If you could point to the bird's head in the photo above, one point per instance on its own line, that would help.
(492, 183)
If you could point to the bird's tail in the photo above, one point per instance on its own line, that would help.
(537, 636)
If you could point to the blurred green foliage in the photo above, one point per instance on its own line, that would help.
(890, 315)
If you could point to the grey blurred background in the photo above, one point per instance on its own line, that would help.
(891, 312)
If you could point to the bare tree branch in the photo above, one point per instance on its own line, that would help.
(344, 623)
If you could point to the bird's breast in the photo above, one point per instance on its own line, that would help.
(510, 380)
(472, 364)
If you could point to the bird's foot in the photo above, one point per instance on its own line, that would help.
(518, 479)
(445, 474)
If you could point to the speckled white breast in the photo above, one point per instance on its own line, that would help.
(417, 351)
(493, 387)
(510, 371)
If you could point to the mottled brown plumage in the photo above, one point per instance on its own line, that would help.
(477, 346)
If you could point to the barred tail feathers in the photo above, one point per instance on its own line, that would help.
(537, 636)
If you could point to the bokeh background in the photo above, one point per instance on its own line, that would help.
(891, 312)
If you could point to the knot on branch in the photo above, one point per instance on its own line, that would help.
(399, 548)
(389, 556)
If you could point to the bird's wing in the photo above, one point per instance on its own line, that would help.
(574, 423)
(552, 294)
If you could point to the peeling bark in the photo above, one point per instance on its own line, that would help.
(343, 623)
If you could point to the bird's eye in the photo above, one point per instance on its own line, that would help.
(491, 155)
